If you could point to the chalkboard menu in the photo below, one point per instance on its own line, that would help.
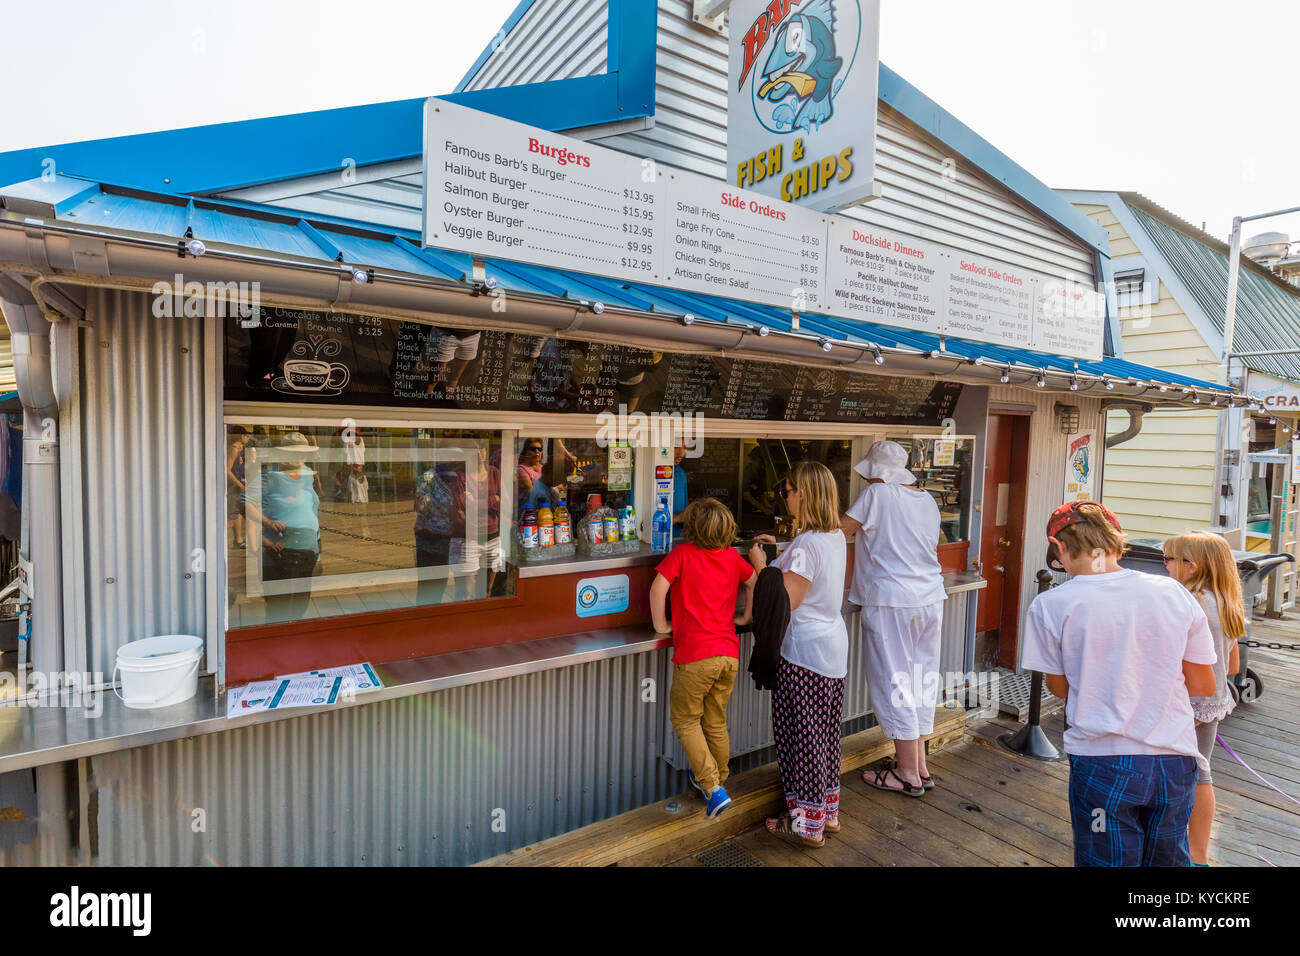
(302, 357)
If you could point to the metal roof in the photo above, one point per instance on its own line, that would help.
(268, 231)
(1268, 308)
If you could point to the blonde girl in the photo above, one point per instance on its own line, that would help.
(1202, 562)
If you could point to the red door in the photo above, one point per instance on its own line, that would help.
(1002, 531)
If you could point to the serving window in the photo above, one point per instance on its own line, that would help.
(943, 467)
(748, 476)
(324, 521)
(578, 471)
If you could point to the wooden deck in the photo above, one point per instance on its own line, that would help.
(992, 808)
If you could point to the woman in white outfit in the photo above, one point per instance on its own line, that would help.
(899, 586)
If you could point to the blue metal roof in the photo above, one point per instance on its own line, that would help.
(269, 231)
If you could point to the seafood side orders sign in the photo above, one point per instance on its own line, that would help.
(495, 188)
(801, 99)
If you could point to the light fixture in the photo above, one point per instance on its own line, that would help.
(1196, 398)
(1005, 376)
(1214, 401)
(1164, 388)
(490, 282)
(1272, 421)
(880, 359)
(597, 307)
(1074, 382)
(687, 319)
(763, 330)
(361, 276)
(195, 247)
(826, 344)
(1067, 418)
(1110, 386)
(979, 360)
(1042, 380)
(1186, 390)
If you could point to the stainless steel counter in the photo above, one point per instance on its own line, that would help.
(33, 736)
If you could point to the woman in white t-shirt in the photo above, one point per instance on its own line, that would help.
(808, 703)
(899, 586)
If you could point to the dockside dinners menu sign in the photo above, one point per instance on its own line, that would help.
(495, 188)
(330, 358)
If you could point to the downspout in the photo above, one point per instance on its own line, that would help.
(1135, 413)
(41, 514)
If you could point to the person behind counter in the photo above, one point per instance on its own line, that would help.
(680, 494)
(1125, 650)
(701, 575)
(899, 586)
(808, 703)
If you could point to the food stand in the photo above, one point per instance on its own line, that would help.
(402, 402)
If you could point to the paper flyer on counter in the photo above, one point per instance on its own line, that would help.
(307, 689)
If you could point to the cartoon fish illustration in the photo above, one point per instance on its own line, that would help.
(803, 64)
(1081, 466)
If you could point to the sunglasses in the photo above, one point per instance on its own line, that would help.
(529, 448)
(786, 491)
(1167, 559)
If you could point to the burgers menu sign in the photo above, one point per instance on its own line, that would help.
(499, 189)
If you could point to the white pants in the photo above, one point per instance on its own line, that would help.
(901, 650)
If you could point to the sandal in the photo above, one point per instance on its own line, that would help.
(926, 782)
(877, 778)
(832, 827)
(780, 827)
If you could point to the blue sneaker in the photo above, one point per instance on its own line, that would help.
(718, 801)
(690, 777)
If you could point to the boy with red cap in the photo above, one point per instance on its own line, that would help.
(1127, 650)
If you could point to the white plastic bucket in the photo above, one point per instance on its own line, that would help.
(159, 671)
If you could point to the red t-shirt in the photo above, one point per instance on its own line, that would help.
(704, 600)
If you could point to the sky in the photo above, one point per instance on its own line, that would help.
(1184, 102)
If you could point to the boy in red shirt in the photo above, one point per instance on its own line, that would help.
(703, 572)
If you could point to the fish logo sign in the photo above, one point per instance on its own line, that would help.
(806, 48)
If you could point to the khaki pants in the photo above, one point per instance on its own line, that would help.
(697, 705)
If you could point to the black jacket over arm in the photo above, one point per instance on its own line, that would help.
(771, 618)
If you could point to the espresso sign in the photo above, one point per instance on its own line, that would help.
(334, 358)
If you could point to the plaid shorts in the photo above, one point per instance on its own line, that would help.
(1131, 810)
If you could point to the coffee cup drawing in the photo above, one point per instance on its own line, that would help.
(311, 375)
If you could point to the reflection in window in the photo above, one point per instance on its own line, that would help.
(942, 466)
(551, 470)
(345, 521)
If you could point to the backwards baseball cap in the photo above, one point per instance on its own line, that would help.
(1066, 515)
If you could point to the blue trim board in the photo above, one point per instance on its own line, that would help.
(515, 16)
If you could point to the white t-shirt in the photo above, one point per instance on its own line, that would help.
(895, 564)
(1120, 639)
(817, 638)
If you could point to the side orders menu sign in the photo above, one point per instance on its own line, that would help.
(495, 188)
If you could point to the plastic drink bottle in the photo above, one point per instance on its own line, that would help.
(545, 527)
(613, 528)
(528, 528)
(629, 523)
(661, 528)
(563, 524)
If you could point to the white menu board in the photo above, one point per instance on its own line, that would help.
(500, 189)
(736, 243)
(885, 278)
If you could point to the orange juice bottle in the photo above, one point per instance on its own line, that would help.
(545, 527)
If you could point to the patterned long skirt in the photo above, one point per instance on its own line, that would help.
(806, 715)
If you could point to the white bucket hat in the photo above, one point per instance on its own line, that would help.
(886, 460)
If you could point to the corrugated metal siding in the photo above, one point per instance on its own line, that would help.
(554, 40)
(749, 712)
(142, 473)
(1047, 455)
(966, 210)
(412, 781)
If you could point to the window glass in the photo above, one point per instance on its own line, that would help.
(748, 476)
(574, 470)
(327, 521)
(943, 467)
